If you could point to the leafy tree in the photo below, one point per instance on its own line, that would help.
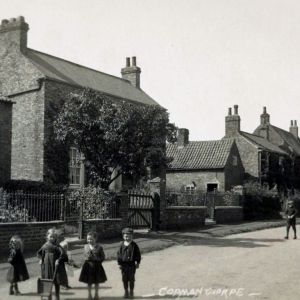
(115, 137)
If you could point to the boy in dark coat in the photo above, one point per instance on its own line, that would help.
(129, 258)
(290, 219)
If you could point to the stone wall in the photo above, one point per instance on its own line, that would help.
(234, 170)
(177, 179)
(249, 156)
(181, 217)
(228, 214)
(5, 140)
(33, 234)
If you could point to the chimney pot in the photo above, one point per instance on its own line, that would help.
(127, 62)
(264, 110)
(295, 123)
(134, 61)
(236, 109)
(292, 123)
(229, 111)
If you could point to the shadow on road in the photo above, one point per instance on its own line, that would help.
(194, 239)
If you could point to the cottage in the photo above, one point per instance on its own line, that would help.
(203, 165)
(38, 83)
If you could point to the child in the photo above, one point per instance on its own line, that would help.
(51, 256)
(18, 270)
(291, 219)
(129, 258)
(92, 271)
(61, 270)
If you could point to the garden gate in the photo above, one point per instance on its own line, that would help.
(142, 210)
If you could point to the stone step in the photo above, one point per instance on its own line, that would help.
(210, 221)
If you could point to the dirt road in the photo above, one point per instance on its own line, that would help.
(255, 265)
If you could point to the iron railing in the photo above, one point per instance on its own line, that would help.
(19, 206)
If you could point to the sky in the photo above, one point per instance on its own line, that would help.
(198, 57)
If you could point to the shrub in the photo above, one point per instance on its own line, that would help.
(260, 202)
(96, 202)
(10, 213)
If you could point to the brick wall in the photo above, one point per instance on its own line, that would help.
(228, 214)
(28, 137)
(5, 140)
(180, 217)
(19, 80)
(32, 234)
(175, 180)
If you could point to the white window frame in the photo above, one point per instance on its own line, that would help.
(76, 168)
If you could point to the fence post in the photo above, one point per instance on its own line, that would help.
(80, 221)
(62, 208)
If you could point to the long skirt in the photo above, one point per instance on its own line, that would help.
(92, 272)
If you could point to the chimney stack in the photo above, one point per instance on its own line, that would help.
(232, 122)
(294, 128)
(13, 32)
(264, 117)
(182, 137)
(131, 72)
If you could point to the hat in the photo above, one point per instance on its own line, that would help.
(127, 230)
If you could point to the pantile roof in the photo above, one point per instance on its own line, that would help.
(199, 155)
(66, 71)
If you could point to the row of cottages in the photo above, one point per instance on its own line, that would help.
(270, 156)
(33, 85)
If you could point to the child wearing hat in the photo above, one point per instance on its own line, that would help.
(129, 258)
(290, 219)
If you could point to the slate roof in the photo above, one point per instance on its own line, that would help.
(199, 155)
(262, 142)
(289, 138)
(66, 71)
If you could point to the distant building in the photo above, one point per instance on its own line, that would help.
(266, 154)
(203, 165)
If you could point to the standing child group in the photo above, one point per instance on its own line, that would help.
(53, 256)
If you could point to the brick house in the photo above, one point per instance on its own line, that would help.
(204, 165)
(38, 83)
(265, 154)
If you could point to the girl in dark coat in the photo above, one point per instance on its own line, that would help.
(92, 271)
(51, 256)
(18, 270)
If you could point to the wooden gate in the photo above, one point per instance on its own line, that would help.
(140, 211)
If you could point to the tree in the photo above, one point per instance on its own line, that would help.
(115, 137)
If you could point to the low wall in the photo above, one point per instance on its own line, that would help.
(108, 228)
(33, 234)
(228, 214)
(181, 217)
